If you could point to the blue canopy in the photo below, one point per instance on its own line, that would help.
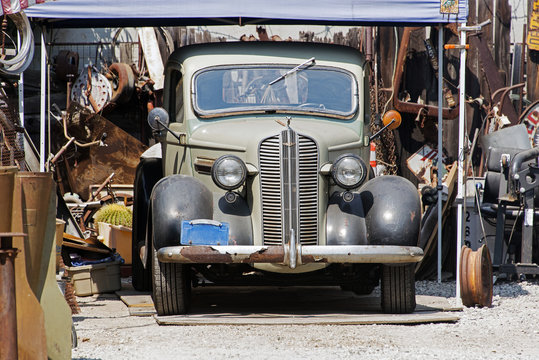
(81, 13)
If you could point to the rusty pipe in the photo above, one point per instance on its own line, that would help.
(89, 90)
(8, 301)
(101, 187)
(408, 107)
(61, 151)
(368, 43)
(505, 91)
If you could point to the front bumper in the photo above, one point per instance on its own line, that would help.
(208, 254)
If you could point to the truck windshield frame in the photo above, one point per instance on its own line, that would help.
(241, 89)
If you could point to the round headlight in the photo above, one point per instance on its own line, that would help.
(229, 172)
(349, 171)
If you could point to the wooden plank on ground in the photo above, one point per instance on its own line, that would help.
(272, 305)
(329, 319)
(138, 303)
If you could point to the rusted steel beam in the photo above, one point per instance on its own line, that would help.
(278, 254)
(409, 107)
(492, 75)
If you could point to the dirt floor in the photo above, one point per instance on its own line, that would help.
(507, 330)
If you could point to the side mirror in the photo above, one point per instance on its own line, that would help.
(158, 119)
(391, 119)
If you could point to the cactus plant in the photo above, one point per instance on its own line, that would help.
(115, 214)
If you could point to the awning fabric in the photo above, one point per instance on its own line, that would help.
(190, 12)
(15, 6)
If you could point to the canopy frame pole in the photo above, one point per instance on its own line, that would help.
(21, 87)
(440, 144)
(43, 102)
(461, 157)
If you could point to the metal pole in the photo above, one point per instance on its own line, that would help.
(461, 158)
(440, 144)
(21, 87)
(43, 102)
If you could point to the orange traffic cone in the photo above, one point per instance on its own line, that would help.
(373, 162)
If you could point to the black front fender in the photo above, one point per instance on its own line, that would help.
(345, 221)
(176, 198)
(392, 211)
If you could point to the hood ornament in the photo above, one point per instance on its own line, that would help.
(287, 125)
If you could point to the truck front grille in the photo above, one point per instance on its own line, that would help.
(288, 165)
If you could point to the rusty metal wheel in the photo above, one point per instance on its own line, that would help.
(122, 81)
(476, 277)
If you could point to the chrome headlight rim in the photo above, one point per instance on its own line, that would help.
(216, 167)
(339, 161)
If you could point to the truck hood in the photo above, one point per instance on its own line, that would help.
(245, 135)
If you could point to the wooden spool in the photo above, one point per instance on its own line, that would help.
(476, 277)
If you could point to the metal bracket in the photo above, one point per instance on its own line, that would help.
(528, 179)
(474, 27)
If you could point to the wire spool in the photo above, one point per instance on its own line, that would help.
(24, 54)
(476, 277)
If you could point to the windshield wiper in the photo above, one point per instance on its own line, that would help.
(296, 69)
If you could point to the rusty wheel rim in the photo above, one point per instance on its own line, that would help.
(476, 277)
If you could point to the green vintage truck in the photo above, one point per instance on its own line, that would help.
(261, 176)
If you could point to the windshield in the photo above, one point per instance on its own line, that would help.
(317, 89)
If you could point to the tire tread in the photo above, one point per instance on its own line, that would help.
(398, 289)
(171, 287)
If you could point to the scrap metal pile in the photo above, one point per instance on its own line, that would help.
(96, 141)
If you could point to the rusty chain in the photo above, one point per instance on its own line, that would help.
(4, 29)
(386, 152)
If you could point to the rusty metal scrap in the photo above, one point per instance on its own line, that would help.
(91, 89)
(92, 165)
(8, 315)
(409, 107)
(476, 280)
(492, 75)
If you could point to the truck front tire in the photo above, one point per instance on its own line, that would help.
(398, 289)
(171, 287)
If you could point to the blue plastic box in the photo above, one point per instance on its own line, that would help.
(204, 232)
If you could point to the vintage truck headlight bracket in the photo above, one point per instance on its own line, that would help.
(349, 171)
(228, 172)
(230, 197)
(348, 196)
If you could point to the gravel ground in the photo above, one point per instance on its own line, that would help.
(507, 330)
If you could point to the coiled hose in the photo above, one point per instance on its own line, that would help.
(20, 62)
